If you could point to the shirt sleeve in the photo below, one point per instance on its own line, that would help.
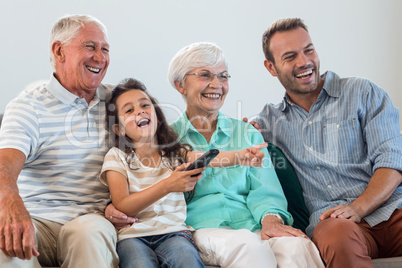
(20, 128)
(266, 194)
(114, 160)
(381, 129)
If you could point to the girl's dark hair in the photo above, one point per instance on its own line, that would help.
(168, 142)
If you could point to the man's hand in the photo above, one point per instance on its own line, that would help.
(253, 123)
(380, 187)
(343, 212)
(17, 233)
(117, 218)
(273, 227)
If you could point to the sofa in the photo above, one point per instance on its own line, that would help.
(296, 204)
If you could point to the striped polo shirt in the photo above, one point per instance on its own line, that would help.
(166, 215)
(64, 141)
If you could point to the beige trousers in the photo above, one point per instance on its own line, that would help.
(242, 248)
(87, 241)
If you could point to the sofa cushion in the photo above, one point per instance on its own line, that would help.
(395, 262)
(291, 187)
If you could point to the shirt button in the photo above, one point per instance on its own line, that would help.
(311, 148)
(329, 186)
(337, 126)
(318, 168)
(310, 123)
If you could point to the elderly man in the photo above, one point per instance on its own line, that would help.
(342, 137)
(52, 144)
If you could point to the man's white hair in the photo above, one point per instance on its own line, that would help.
(68, 27)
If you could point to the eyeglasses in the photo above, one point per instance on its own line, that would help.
(208, 76)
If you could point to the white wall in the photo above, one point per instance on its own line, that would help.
(353, 38)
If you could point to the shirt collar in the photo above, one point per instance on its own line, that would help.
(223, 125)
(59, 92)
(331, 84)
(65, 96)
(330, 88)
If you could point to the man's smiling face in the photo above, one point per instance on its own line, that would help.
(86, 60)
(296, 61)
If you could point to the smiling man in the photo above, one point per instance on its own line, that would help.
(342, 137)
(52, 144)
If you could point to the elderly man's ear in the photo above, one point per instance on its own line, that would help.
(180, 87)
(58, 51)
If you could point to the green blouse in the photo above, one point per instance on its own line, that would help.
(237, 196)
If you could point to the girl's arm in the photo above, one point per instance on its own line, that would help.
(251, 156)
(132, 204)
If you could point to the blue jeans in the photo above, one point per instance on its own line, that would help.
(168, 250)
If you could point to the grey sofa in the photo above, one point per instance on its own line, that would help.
(296, 204)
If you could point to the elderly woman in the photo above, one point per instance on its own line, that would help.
(239, 212)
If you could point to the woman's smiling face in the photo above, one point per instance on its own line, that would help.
(204, 96)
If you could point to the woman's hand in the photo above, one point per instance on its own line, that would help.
(273, 227)
(251, 156)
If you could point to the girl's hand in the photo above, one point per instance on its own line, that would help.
(251, 156)
(181, 181)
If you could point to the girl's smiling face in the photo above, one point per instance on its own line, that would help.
(137, 117)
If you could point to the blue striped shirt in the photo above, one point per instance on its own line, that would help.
(64, 141)
(350, 131)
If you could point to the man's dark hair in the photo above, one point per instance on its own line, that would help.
(280, 25)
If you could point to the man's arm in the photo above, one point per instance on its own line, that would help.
(381, 186)
(380, 125)
(17, 233)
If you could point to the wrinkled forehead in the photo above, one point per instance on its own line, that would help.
(212, 69)
(92, 33)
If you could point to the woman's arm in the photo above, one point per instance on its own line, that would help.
(251, 156)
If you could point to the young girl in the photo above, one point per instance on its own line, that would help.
(146, 177)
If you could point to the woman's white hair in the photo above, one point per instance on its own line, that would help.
(193, 56)
(68, 27)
